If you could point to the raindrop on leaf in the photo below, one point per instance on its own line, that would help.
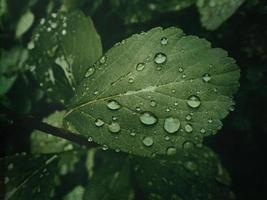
(193, 101)
(160, 58)
(148, 118)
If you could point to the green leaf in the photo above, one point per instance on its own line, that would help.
(141, 11)
(11, 62)
(194, 173)
(214, 12)
(29, 177)
(155, 90)
(63, 47)
(110, 180)
(25, 22)
(44, 143)
(75, 194)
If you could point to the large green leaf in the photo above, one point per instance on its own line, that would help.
(63, 47)
(214, 12)
(194, 173)
(29, 177)
(153, 91)
(110, 180)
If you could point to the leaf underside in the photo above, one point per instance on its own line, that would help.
(214, 12)
(62, 48)
(144, 110)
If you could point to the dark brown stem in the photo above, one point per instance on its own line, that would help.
(37, 124)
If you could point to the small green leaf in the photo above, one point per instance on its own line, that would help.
(215, 12)
(29, 177)
(63, 47)
(25, 22)
(194, 173)
(110, 180)
(155, 90)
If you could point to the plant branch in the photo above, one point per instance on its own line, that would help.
(37, 124)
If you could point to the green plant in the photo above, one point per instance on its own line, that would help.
(129, 123)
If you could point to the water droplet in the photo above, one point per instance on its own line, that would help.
(171, 125)
(210, 121)
(114, 118)
(167, 138)
(160, 58)
(148, 118)
(190, 165)
(232, 108)
(103, 59)
(114, 127)
(206, 77)
(188, 117)
(171, 151)
(183, 76)
(131, 80)
(113, 105)
(148, 141)
(164, 41)
(153, 103)
(105, 147)
(138, 109)
(188, 128)
(99, 122)
(89, 72)
(96, 92)
(193, 101)
(202, 130)
(140, 66)
(188, 145)
(90, 139)
(180, 69)
(133, 133)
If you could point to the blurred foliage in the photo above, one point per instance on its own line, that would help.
(241, 144)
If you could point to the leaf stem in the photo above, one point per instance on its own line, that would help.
(36, 123)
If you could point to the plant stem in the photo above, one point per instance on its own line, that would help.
(37, 124)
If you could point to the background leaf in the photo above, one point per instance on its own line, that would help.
(45, 143)
(63, 47)
(194, 173)
(24, 23)
(142, 11)
(111, 179)
(29, 177)
(214, 12)
(153, 91)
